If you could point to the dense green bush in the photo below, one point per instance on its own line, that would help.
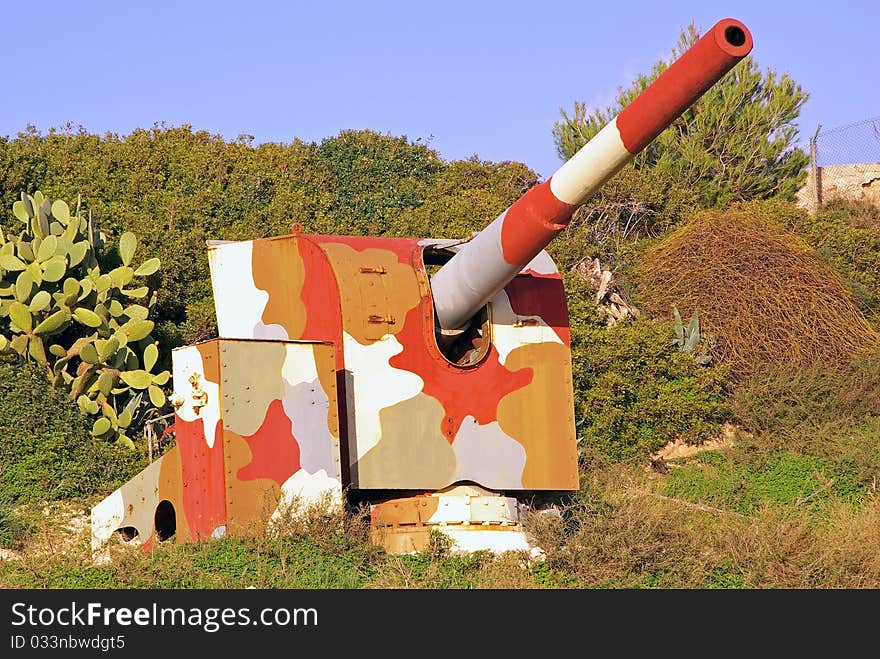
(47, 451)
(635, 390)
(12, 527)
(175, 188)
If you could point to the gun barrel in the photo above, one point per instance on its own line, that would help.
(499, 252)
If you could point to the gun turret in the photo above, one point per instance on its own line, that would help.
(327, 382)
(486, 264)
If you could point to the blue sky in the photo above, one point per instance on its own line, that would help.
(484, 78)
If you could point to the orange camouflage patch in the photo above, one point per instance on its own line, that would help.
(379, 290)
(541, 417)
(210, 360)
(325, 364)
(278, 270)
(249, 503)
(171, 490)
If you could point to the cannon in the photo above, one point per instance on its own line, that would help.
(429, 379)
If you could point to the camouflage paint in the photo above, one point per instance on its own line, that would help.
(406, 405)
(257, 427)
(297, 433)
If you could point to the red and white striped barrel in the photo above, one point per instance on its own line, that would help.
(487, 263)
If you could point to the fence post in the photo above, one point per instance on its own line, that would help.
(816, 198)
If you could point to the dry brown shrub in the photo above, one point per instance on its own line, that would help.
(617, 534)
(845, 550)
(783, 548)
(809, 408)
(508, 570)
(772, 550)
(620, 534)
(761, 291)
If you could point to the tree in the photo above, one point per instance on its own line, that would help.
(736, 143)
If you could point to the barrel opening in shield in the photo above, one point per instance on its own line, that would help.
(464, 346)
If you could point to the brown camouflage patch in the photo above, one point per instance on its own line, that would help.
(249, 504)
(325, 364)
(278, 270)
(540, 417)
(171, 490)
(408, 510)
(377, 290)
(210, 361)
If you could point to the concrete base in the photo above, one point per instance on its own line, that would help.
(472, 518)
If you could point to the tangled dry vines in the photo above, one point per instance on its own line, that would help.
(762, 292)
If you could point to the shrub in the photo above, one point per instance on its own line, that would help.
(783, 400)
(12, 528)
(635, 390)
(761, 291)
(847, 235)
(47, 451)
(830, 413)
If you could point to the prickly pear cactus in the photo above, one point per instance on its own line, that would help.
(89, 329)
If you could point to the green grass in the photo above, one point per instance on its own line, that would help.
(724, 576)
(728, 482)
(613, 534)
(224, 563)
(263, 563)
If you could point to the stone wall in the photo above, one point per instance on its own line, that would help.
(859, 182)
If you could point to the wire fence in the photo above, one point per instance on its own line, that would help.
(855, 144)
(844, 163)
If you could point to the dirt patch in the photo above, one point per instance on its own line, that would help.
(678, 449)
(9, 555)
(65, 527)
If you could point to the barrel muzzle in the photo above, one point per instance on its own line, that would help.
(499, 252)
